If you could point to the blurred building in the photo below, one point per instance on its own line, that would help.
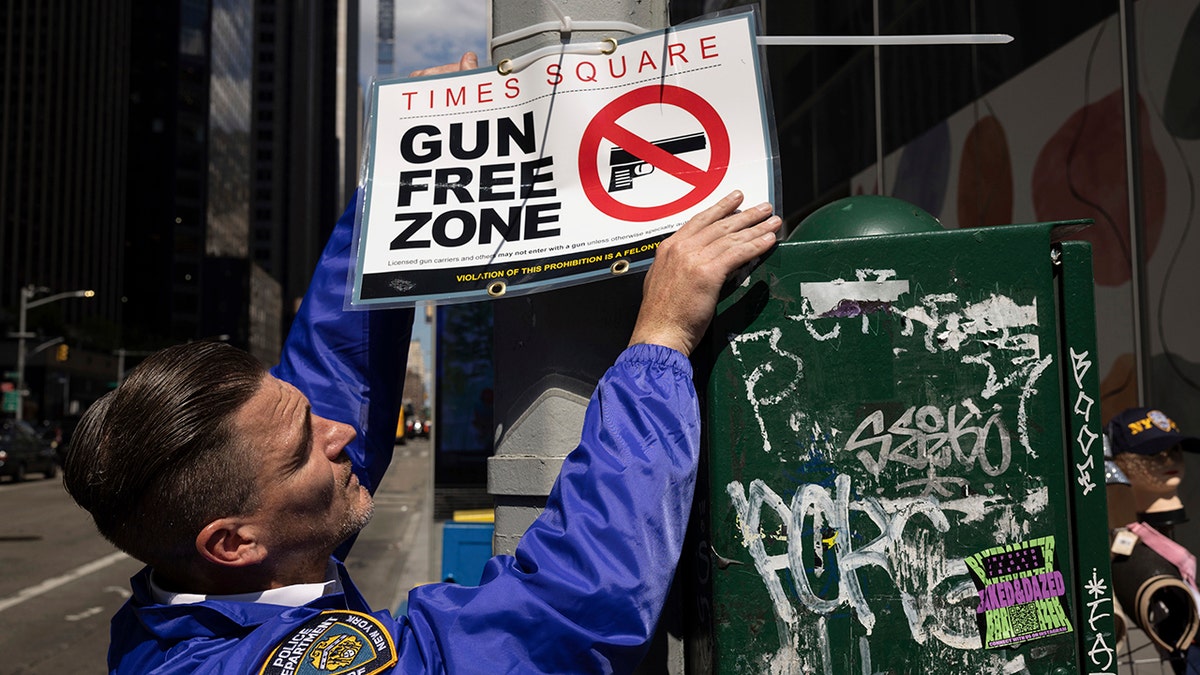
(64, 106)
(259, 156)
(386, 39)
(190, 126)
(305, 134)
(186, 159)
(64, 153)
(416, 378)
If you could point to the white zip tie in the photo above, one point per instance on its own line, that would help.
(565, 25)
(605, 47)
(566, 20)
(856, 40)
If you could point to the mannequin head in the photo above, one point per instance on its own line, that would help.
(1148, 448)
(1155, 479)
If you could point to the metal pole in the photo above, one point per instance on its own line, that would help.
(552, 348)
(26, 292)
(879, 174)
(1133, 177)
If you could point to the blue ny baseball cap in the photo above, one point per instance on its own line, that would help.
(1147, 431)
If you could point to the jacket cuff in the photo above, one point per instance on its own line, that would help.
(650, 354)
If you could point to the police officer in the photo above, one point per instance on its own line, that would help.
(239, 489)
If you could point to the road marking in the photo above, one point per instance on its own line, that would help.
(90, 611)
(51, 584)
(406, 541)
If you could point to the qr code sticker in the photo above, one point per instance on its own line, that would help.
(1024, 619)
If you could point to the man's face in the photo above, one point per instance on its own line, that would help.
(308, 497)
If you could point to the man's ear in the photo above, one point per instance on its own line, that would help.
(230, 542)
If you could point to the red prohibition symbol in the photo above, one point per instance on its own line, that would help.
(605, 125)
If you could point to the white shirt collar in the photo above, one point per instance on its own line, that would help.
(295, 595)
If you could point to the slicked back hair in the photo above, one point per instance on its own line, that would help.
(156, 461)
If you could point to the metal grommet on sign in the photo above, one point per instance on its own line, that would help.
(612, 45)
(619, 267)
(497, 289)
(504, 67)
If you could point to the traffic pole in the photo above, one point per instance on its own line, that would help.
(552, 348)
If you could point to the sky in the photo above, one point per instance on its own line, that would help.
(427, 33)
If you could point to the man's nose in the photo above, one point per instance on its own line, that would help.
(333, 436)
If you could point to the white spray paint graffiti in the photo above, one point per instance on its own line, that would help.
(1001, 324)
(999, 327)
(1027, 392)
(1098, 591)
(990, 321)
(1101, 654)
(907, 542)
(931, 441)
(907, 538)
(757, 398)
(1083, 408)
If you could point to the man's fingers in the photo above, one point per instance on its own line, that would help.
(468, 62)
(712, 214)
(739, 248)
(709, 240)
(734, 223)
(681, 288)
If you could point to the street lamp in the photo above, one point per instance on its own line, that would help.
(27, 303)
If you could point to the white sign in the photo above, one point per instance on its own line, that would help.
(572, 169)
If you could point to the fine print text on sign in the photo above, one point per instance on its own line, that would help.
(572, 169)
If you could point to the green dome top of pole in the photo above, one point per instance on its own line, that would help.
(864, 216)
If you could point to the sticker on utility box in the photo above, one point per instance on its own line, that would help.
(1022, 594)
(570, 169)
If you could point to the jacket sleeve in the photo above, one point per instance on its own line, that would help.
(587, 584)
(350, 365)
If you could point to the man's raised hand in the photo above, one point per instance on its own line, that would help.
(680, 292)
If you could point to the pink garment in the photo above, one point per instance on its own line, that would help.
(1173, 552)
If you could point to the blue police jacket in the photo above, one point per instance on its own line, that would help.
(583, 592)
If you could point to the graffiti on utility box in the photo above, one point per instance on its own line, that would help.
(889, 464)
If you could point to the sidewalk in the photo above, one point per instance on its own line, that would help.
(401, 547)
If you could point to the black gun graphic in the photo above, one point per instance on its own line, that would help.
(626, 166)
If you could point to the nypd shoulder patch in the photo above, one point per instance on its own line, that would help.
(334, 642)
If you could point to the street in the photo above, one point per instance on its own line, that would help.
(62, 581)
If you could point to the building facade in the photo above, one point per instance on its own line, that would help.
(1088, 113)
(184, 159)
(64, 154)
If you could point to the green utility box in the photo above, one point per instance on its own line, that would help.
(905, 471)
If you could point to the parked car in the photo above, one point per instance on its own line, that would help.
(23, 451)
(418, 428)
(414, 426)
